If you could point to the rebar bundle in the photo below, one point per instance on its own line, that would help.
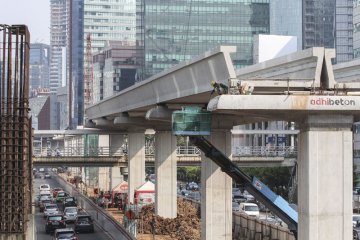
(15, 129)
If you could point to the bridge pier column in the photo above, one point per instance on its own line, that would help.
(165, 170)
(136, 162)
(325, 178)
(116, 147)
(216, 193)
(117, 144)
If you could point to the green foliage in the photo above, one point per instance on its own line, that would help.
(189, 174)
(276, 178)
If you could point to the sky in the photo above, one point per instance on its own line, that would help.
(33, 13)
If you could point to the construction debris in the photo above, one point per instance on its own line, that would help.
(186, 226)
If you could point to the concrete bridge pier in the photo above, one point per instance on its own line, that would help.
(216, 193)
(117, 145)
(325, 178)
(136, 162)
(166, 178)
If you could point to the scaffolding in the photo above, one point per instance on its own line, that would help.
(15, 132)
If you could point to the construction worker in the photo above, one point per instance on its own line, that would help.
(219, 88)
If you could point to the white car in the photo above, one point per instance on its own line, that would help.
(45, 187)
(250, 209)
(356, 220)
(50, 209)
(70, 214)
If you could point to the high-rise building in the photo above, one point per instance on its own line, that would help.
(173, 31)
(114, 69)
(356, 29)
(316, 23)
(328, 23)
(39, 66)
(344, 31)
(286, 19)
(58, 42)
(104, 20)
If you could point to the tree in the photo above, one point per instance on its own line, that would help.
(276, 178)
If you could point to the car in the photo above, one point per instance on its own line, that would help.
(84, 223)
(70, 214)
(43, 203)
(44, 187)
(37, 175)
(56, 190)
(250, 209)
(235, 206)
(54, 222)
(65, 234)
(50, 209)
(356, 233)
(45, 192)
(41, 170)
(356, 220)
(249, 197)
(61, 195)
(192, 186)
(47, 175)
(194, 195)
(239, 198)
(70, 202)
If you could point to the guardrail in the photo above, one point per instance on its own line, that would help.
(240, 151)
(266, 151)
(108, 224)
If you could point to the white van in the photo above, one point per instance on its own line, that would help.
(250, 209)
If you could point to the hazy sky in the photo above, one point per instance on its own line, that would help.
(33, 13)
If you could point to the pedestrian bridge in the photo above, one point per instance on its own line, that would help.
(186, 156)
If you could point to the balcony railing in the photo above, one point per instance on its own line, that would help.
(246, 151)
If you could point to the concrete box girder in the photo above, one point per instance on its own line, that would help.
(310, 68)
(180, 82)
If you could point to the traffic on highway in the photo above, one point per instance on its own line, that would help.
(57, 214)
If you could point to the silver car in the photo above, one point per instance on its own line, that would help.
(50, 209)
(70, 214)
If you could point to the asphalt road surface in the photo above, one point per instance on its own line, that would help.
(40, 221)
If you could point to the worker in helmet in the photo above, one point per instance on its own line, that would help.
(219, 88)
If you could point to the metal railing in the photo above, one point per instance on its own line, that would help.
(241, 151)
(265, 151)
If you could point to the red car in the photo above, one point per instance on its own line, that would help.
(56, 190)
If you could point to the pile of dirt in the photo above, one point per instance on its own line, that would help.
(186, 226)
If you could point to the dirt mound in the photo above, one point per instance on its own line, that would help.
(186, 226)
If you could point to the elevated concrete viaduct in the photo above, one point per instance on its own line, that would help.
(300, 87)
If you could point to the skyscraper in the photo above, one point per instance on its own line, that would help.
(175, 31)
(356, 29)
(328, 23)
(286, 19)
(104, 20)
(39, 66)
(58, 42)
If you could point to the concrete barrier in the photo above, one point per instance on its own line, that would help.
(105, 221)
(250, 228)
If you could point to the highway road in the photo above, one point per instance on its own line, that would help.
(40, 221)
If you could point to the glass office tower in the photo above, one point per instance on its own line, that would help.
(328, 23)
(286, 19)
(174, 31)
(356, 31)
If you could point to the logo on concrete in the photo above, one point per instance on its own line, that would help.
(331, 102)
(257, 184)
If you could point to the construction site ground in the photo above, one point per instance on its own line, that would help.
(186, 226)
